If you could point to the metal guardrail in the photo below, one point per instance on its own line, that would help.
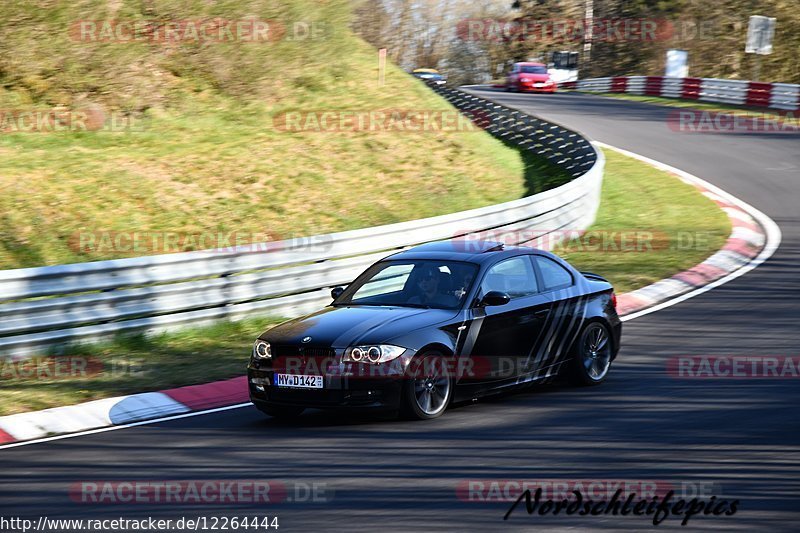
(784, 96)
(560, 146)
(44, 308)
(728, 91)
(724, 91)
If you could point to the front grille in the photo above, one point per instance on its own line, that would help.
(302, 359)
(302, 351)
(310, 351)
(279, 351)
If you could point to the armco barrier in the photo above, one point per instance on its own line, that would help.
(672, 87)
(785, 96)
(758, 94)
(636, 84)
(47, 307)
(690, 87)
(619, 84)
(652, 85)
(724, 91)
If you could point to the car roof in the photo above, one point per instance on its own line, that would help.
(471, 251)
(531, 64)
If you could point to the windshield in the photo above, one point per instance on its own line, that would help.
(538, 69)
(429, 76)
(415, 283)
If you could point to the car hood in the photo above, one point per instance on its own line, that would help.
(340, 327)
(534, 77)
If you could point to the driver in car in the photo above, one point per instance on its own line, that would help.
(466, 279)
(428, 290)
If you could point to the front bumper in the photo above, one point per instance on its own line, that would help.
(531, 88)
(353, 387)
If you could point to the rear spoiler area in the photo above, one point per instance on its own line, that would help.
(594, 277)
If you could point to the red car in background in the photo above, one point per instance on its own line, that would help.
(530, 77)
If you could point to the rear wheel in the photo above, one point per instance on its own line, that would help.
(592, 356)
(283, 412)
(429, 389)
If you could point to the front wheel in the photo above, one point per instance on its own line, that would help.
(282, 412)
(429, 389)
(592, 356)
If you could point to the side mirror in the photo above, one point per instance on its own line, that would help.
(495, 298)
(336, 292)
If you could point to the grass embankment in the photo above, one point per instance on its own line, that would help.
(205, 157)
(635, 197)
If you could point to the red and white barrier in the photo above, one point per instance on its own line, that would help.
(784, 96)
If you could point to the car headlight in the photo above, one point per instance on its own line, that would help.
(375, 353)
(262, 350)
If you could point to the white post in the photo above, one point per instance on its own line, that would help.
(381, 67)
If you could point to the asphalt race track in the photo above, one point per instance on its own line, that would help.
(741, 437)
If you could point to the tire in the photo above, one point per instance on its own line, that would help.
(282, 413)
(591, 357)
(427, 393)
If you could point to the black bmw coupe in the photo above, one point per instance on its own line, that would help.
(439, 323)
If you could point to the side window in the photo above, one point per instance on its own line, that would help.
(513, 276)
(554, 276)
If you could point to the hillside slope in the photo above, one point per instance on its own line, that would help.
(192, 148)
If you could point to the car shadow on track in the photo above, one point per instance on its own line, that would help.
(317, 418)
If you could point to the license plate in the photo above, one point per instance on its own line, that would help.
(296, 381)
(538, 84)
